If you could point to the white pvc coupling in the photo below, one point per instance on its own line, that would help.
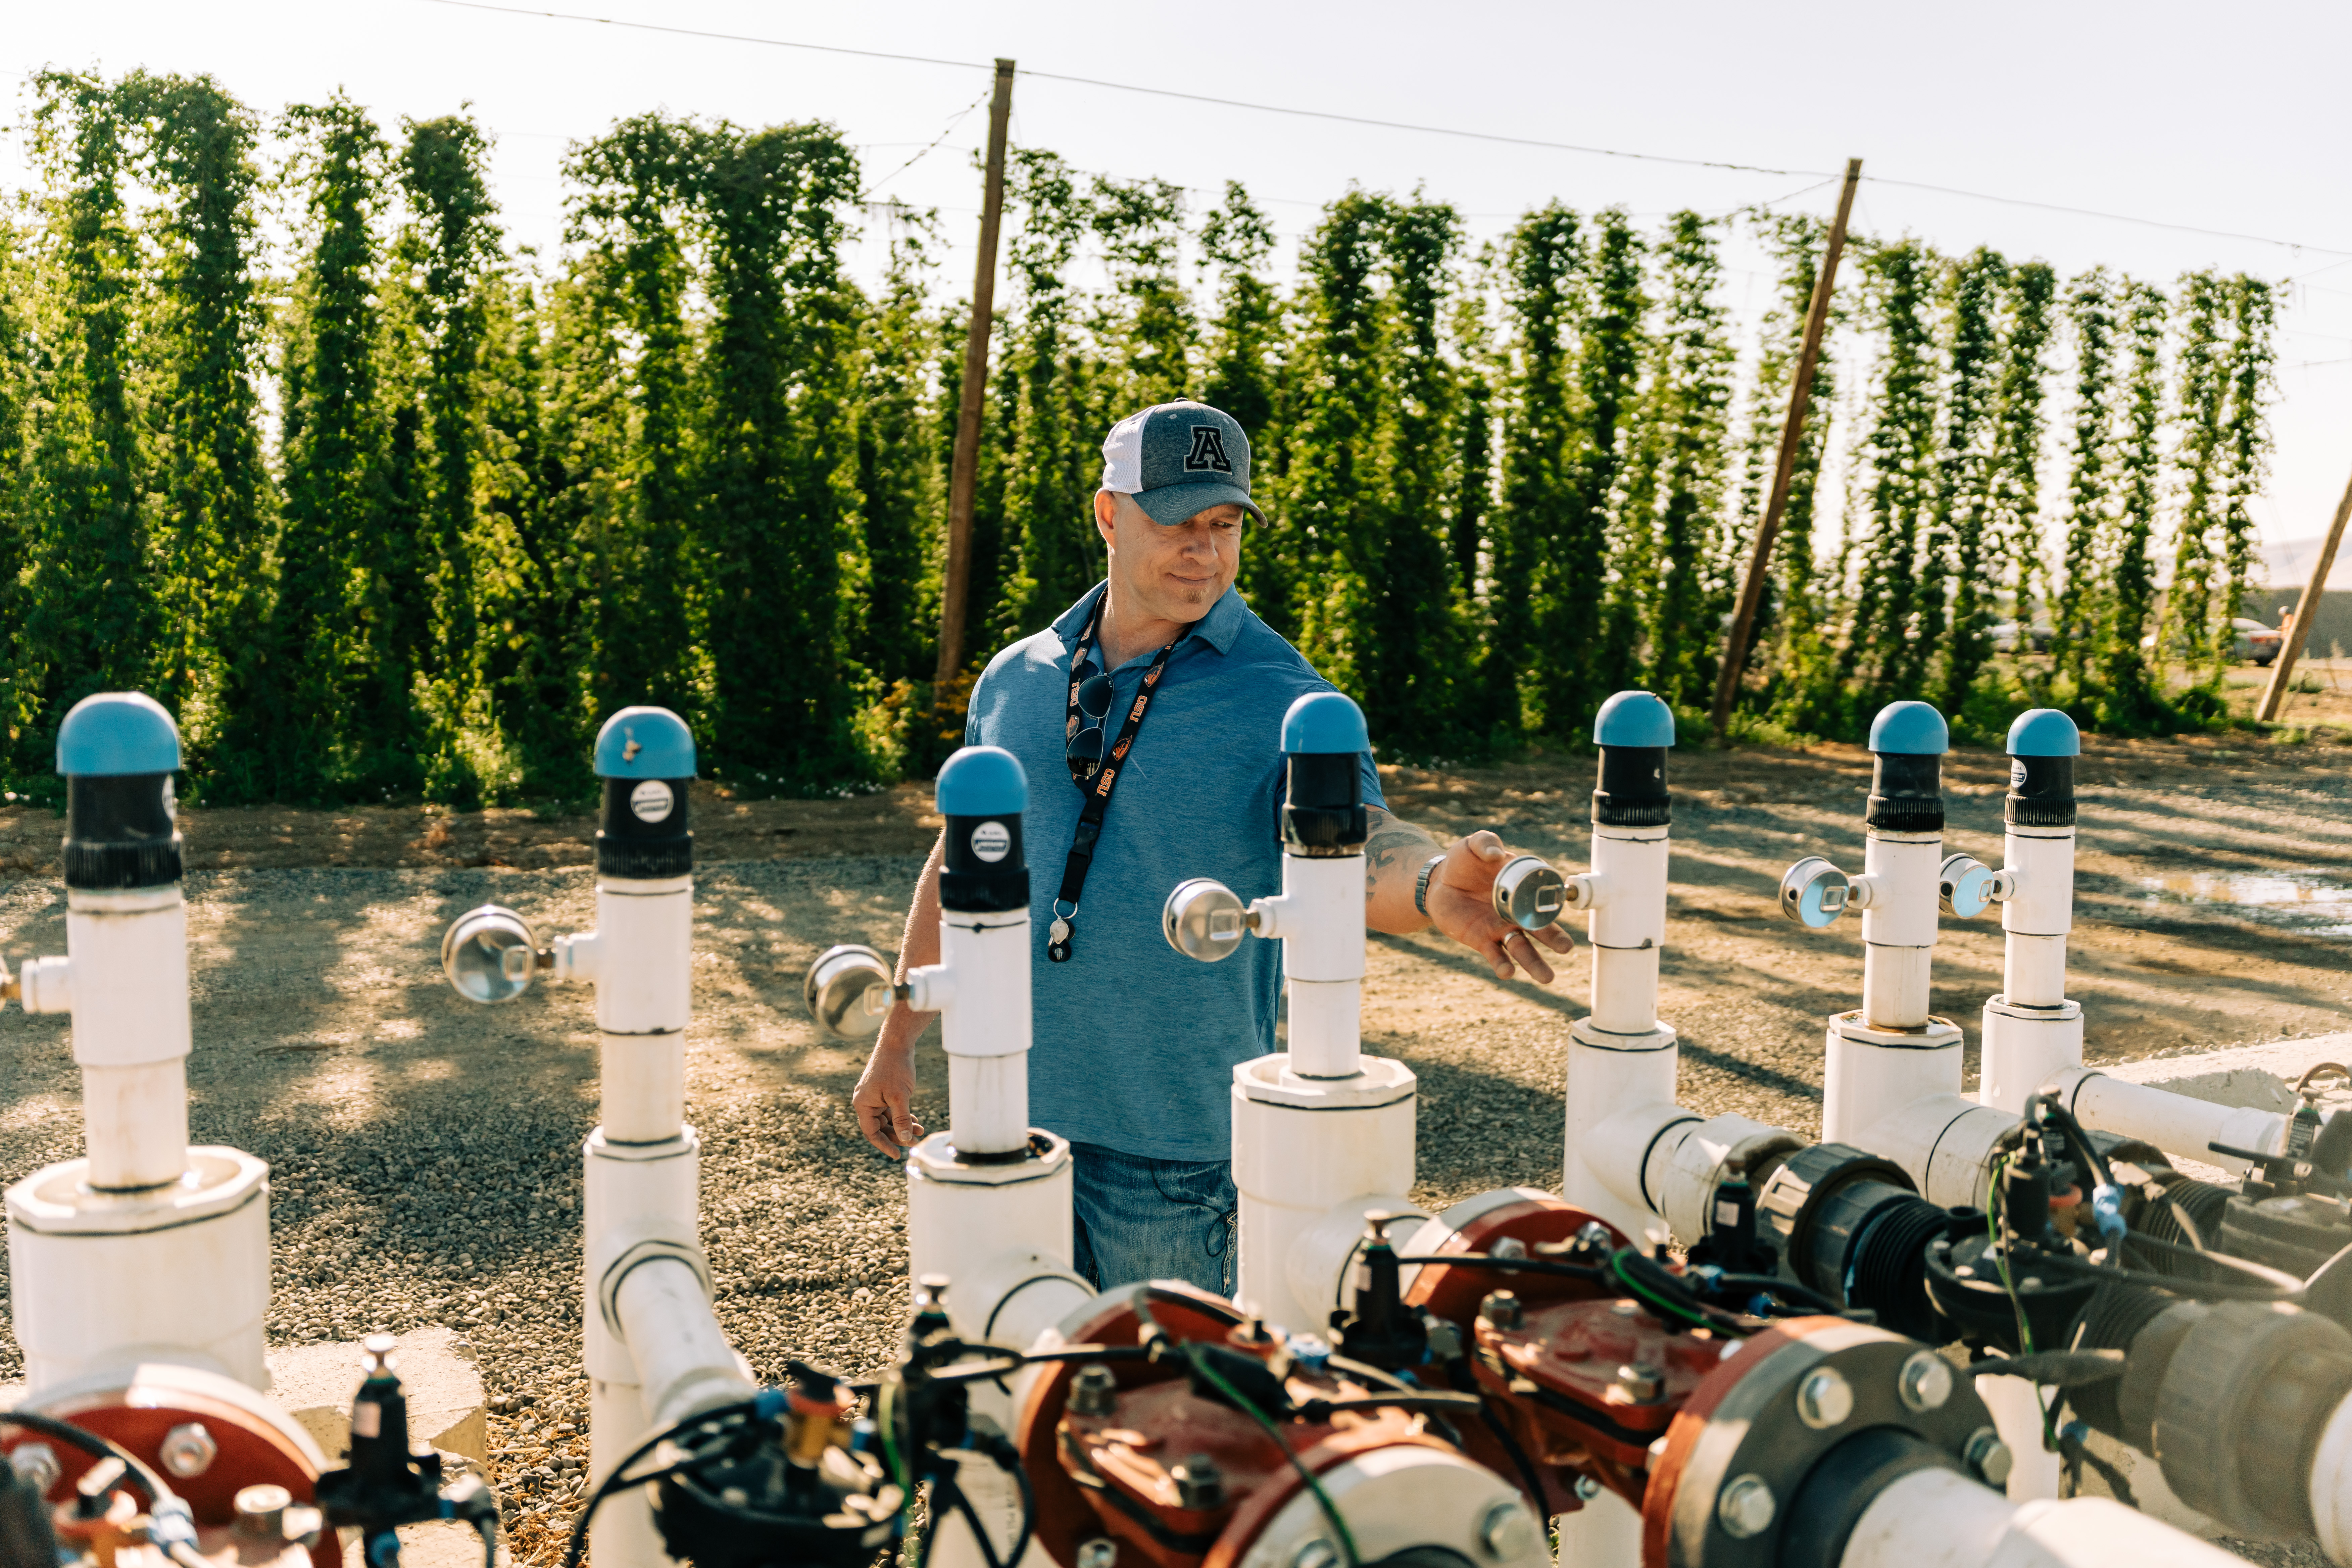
(980, 985)
(2039, 899)
(645, 943)
(2331, 1484)
(128, 981)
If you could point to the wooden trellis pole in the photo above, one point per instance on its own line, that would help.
(1792, 432)
(2299, 630)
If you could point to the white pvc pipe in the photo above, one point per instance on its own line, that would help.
(2030, 1029)
(2025, 1048)
(2016, 1407)
(1320, 919)
(1628, 926)
(1606, 1533)
(1899, 926)
(135, 1120)
(2331, 1485)
(1301, 1150)
(1621, 1096)
(988, 1103)
(1869, 1074)
(128, 962)
(2173, 1122)
(625, 1187)
(1941, 1519)
(1944, 1142)
(1685, 1165)
(982, 982)
(645, 944)
(683, 1360)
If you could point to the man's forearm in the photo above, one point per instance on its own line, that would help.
(1393, 856)
(919, 945)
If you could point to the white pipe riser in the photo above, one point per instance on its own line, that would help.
(1627, 925)
(1320, 923)
(2024, 1048)
(1688, 1162)
(128, 962)
(2044, 902)
(180, 1275)
(2016, 1415)
(1292, 1163)
(645, 982)
(984, 1028)
(1869, 1074)
(1619, 1096)
(958, 1228)
(625, 1187)
(1899, 928)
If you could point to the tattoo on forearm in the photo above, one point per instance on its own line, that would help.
(1393, 842)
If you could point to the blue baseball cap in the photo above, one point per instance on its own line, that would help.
(1178, 459)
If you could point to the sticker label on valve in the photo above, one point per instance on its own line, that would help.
(652, 801)
(992, 841)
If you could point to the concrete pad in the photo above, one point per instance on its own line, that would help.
(314, 1383)
(434, 1546)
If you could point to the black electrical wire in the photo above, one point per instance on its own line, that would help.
(161, 1501)
(2273, 1286)
(612, 1481)
(1466, 1376)
(2080, 1140)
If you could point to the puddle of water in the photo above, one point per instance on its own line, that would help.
(2297, 901)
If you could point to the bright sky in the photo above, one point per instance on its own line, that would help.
(2230, 122)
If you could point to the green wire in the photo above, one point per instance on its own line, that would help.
(1322, 1497)
(1998, 1207)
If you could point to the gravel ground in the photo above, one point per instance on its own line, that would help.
(425, 1152)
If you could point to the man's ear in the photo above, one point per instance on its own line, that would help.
(1106, 517)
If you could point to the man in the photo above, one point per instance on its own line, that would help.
(1134, 1044)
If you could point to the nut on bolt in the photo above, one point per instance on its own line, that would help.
(1989, 1457)
(261, 1511)
(1925, 1382)
(1094, 1392)
(1199, 1483)
(1824, 1399)
(1641, 1383)
(1745, 1506)
(1501, 1309)
(188, 1449)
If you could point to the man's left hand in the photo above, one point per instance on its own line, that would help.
(1462, 905)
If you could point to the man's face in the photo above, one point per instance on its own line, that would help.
(1171, 573)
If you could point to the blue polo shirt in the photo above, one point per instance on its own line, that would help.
(1134, 1043)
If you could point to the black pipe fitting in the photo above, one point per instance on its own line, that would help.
(1323, 814)
(1906, 793)
(2041, 792)
(986, 870)
(120, 833)
(645, 832)
(1631, 791)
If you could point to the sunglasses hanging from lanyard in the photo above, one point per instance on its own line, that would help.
(1094, 766)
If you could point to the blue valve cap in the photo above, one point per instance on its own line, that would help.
(1634, 718)
(982, 781)
(644, 744)
(114, 734)
(1909, 730)
(2044, 733)
(1324, 723)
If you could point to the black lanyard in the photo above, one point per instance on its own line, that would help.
(1090, 820)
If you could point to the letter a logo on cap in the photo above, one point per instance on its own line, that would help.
(1208, 451)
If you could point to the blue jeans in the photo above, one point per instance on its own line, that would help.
(1140, 1219)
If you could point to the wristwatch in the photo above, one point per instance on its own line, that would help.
(1421, 885)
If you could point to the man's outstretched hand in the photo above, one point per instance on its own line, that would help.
(1462, 905)
(884, 1090)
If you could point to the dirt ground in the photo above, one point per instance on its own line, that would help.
(425, 1151)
